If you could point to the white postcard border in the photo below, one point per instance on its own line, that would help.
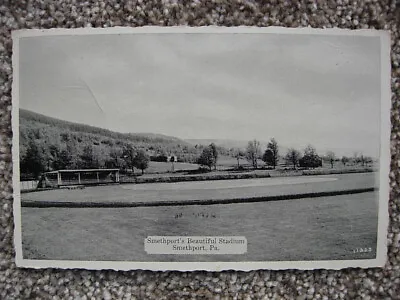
(384, 190)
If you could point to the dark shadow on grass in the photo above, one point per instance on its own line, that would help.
(47, 204)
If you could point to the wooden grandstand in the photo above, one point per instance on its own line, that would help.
(60, 178)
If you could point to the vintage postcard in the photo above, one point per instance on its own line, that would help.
(205, 148)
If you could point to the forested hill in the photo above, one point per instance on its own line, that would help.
(47, 143)
(30, 116)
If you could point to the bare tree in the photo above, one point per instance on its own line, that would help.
(330, 155)
(272, 157)
(355, 158)
(345, 160)
(359, 158)
(253, 152)
(238, 155)
(362, 160)
(214, 152)
(292, 157)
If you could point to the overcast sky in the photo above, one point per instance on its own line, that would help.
(300, 89)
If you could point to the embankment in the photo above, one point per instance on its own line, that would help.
(243, 175)
(119, 204)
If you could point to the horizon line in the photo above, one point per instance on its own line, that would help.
(245, 141)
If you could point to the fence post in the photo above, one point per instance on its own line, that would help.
(59, 178)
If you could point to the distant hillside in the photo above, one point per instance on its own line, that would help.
(234, 144)
(26, 116)
(47, 144)
(226, 143)
(229, 144)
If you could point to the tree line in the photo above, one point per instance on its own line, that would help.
(271, 156)
(48, 144)
(51, 144)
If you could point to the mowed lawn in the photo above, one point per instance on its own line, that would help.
(164, 167)
(207, 190)
(228, 162)
(306, 229)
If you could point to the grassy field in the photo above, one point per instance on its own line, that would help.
(303, 229)
(227, 170)
(228, 162)
(225, 163)
(307, 229)
(204, 190)
(164, 167)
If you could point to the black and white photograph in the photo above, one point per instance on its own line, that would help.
(209, 148)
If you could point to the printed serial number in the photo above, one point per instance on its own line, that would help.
(197, 215)
(362, 250)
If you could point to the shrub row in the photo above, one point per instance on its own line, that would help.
(204, 177)
(194, 178)
(328, 172)
(123, 204)
(238, 176)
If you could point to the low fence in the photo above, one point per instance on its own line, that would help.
(127, 179)
(344, 171)
(230, 176)
(31, 185)
(124, 204)
(27, 185)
